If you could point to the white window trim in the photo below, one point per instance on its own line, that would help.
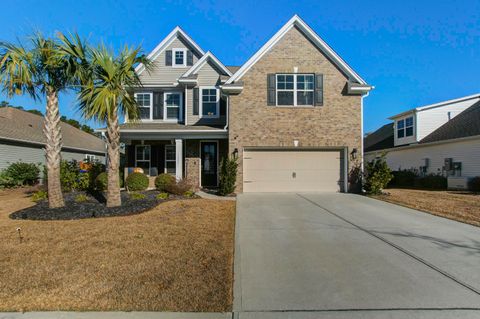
(174, 160)
(294, 90)
(184, 64)
(149, 161)
(94, 157)
(180, 107)
(404, 119)
(217, 109)
(151, 104)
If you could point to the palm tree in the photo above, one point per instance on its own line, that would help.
(40, 70)
(106, 95)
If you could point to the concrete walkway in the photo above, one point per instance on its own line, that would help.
(347, 256)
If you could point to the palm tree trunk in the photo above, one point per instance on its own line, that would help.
(113, 149)
(53, 149)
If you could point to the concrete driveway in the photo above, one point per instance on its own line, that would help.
(348, 256)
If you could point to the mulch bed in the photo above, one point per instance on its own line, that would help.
(93, 207)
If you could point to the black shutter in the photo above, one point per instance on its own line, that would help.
(318, 89)
(271, 92)
(168, 57)
(195, 101)
(189, 58)
(158, 105)
(223, 104)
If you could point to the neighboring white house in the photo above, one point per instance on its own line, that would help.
(22, 139)
(442, 138)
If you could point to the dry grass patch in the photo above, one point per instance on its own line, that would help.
(460, 206)
(177, 257)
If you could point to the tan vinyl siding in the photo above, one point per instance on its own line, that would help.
(162, 74)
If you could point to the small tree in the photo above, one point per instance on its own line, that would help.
(377, 175)
(228, 175)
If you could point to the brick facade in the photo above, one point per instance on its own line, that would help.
(253, 123)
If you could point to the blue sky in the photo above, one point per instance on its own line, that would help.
(413, 52)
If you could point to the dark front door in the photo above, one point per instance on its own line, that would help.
(209, 163)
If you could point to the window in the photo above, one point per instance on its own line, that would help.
(144, 101)
(209, 107)
(405, 127)
(179, 57)
(172, 102)
(142, 157)
(295, 89)
(90, 158)
(170, 160)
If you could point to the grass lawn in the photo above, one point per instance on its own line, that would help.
(460, 206)
(177, 257)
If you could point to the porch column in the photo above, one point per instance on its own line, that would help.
(179, 159)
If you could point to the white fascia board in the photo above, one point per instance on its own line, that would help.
(297, 21)
(403, 114)
(165, 43)
(209, 55)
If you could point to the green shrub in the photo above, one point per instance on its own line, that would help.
(189, 194)
(403, 179)
(80, 198)
(96, 169)
(162, 196)
(39, 196)
(137, 182)
(20, 174)
(433, 182)
(228, 175)
(377, 175)
(162, 180)
(178, 187)
(474, 184)
(69, 171)
(6, 181)
(137, 196)
(101, 182)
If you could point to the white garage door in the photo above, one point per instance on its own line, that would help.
(292, 171)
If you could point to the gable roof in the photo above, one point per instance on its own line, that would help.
(206, 58)
(176, 32)
(21, 126)
(296, 21)
(380, 139)
(465, 124)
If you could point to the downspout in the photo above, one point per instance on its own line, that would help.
(362, 132)
(227, 112)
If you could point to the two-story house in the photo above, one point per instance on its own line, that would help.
(292, 114)
(441, 138)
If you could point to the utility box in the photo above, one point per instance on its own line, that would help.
(457, 183)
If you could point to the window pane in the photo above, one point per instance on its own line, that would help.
(144, 165)
(146, 153)
(172, 99)
(400, 133)
(308, 82)
(179, 57)
(305, 98)
(170, 153)
(285, 98)
(144, 113)
(409, 121)
(172, 112)
(401, 124)
(209, 109)
(143, 99)
(409, 131)
(170, 167)
(289, 82)
(139, 155)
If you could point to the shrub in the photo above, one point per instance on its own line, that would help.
(39, 196)
(178, 187)
(137, 182)
(162, 196)
(137, 196)
(69, 171)
(20, 174)
(162, 180)
(474, 184)
(6, 181)
(101, 182)
(403, 179)
(228, 175)
(434, 182)
(377, 175)
(80, 198)
(189, 194)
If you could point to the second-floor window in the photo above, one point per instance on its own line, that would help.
(172, 102)
(295, 89)
(179, 57)
(210, 102)
(405, 127)
(144, 101)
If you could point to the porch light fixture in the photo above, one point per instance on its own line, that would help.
(353, 154)
(295, 143)
(235, 152)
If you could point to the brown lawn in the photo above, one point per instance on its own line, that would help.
(176, 257)
(460, 206)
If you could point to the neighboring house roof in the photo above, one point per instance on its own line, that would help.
(207, 57)
(380, 139)
(166, 42)
(296, 21)
(21, 126)
(465, 124)
(435, 105)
